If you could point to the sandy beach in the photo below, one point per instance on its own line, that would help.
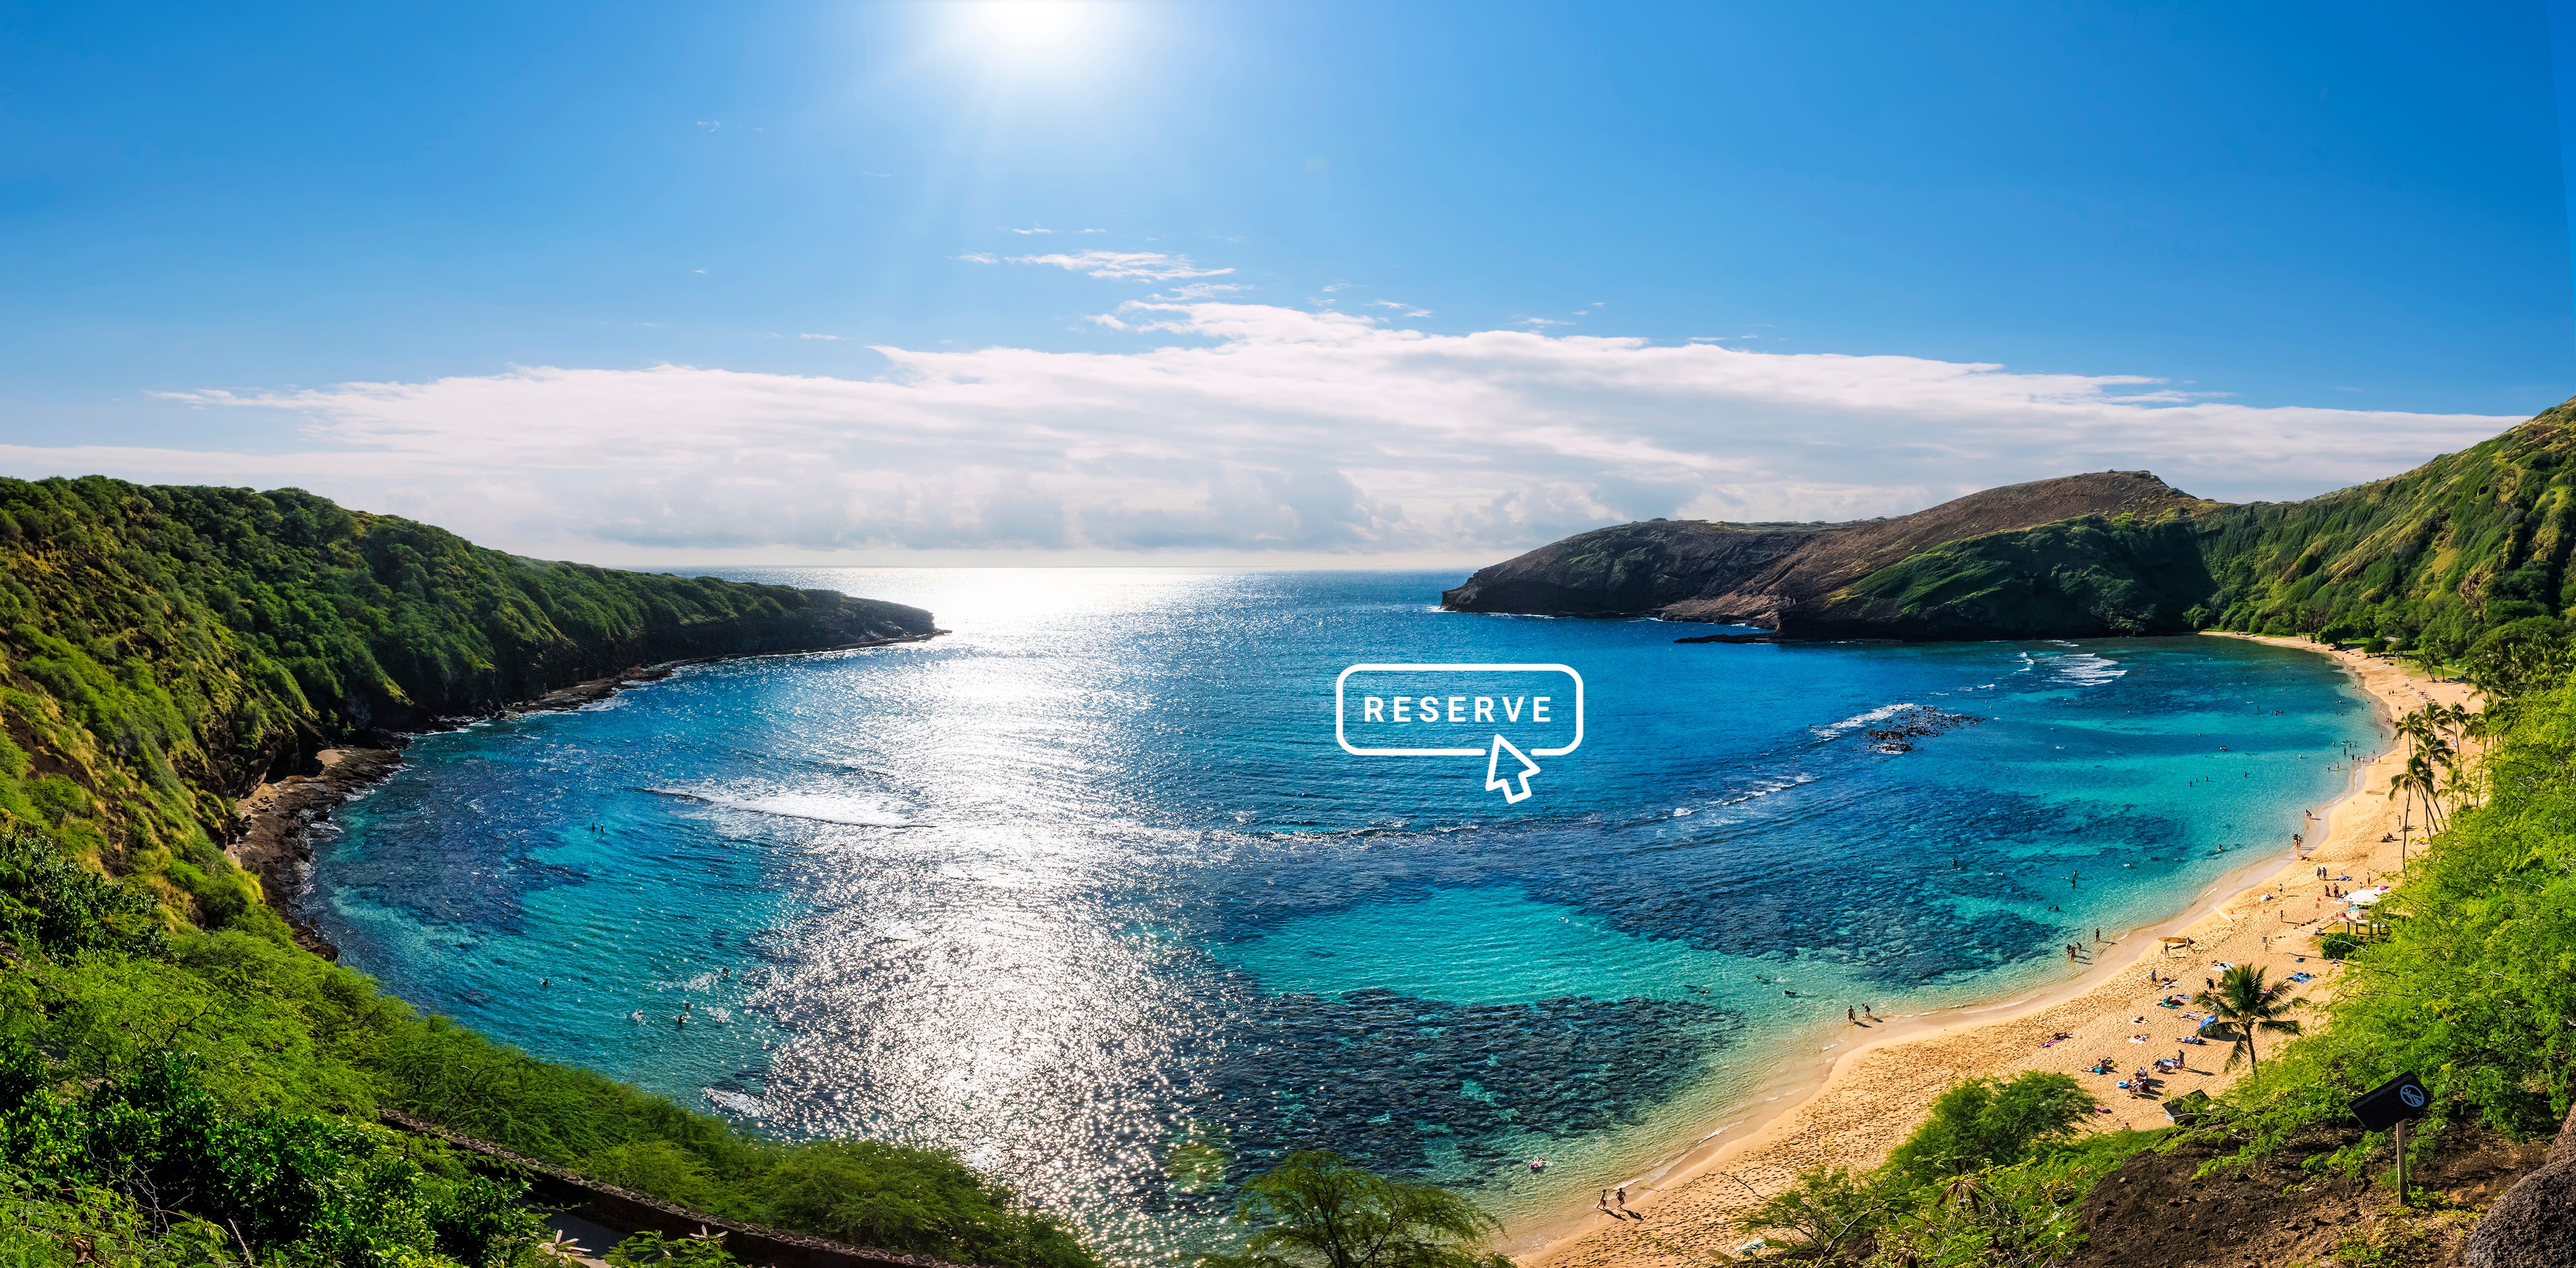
(1876, 1088)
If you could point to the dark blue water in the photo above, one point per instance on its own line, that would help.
(1087, 891)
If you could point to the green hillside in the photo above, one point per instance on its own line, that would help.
(2467, 552)
(2090, 576)
(2434, 558)
(179, 1082)
(163, 648)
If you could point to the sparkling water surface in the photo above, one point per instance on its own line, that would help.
(1086, 891)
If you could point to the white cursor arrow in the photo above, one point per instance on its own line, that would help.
(1495, 780)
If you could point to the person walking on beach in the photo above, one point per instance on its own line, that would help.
(1852, 1016)
(1603, 1205)
(2097, 935)
(1623, 1199)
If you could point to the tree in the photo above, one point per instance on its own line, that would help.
(1980, 1123)
(2420, 784)
(1825, 1210)
(2519, 657)
(2248, 1004)
(2429, 728)
(1317, 1209)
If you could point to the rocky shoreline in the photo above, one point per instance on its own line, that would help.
(273, 826)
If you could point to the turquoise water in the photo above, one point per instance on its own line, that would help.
(1087, 891)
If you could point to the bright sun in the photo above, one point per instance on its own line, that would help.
(1023, 27)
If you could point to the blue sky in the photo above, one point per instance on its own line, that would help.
(2264, 253)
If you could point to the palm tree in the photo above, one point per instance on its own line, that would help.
(2458, 720)
(2427, 783)
(2246, 1002)
(1317, 1210)
(2426, 726)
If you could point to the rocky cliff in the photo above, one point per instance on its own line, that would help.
(1779, 576)
(2467, 549)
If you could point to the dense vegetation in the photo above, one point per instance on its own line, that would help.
(1992, 1176)
(2435, 559)
(163, 648)
(2460, 550)
(155, 1080)
(180, 1083)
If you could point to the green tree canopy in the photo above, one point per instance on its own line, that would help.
(1981, 1123)
(1317, 1210)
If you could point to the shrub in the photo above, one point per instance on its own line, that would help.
(1980, 1123)
(914, 1200)
(50, 904)
(310, 1187)
(1995, 1175)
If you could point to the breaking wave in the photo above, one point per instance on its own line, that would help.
(2085, 669)
(1879, 714)
(863, 812)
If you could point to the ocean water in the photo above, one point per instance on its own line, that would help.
(1087, 891)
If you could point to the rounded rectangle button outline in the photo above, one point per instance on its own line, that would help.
(1348, 747)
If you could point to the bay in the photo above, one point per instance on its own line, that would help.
(1086, 891)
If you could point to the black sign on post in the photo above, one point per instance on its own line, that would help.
(2391, 1103)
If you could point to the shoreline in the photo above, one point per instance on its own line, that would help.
(273, 823)
(1853, 1107)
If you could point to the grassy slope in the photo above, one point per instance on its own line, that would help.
(166, 647)
(2084, 577)
(2465, 543)
(2433, 560)
(163, 648)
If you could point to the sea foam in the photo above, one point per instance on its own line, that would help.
(863, 812)
(1879, 714)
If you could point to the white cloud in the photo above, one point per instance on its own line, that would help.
(827, 338)
(1042, 229)
(1260, 428)
(1405, 310)
(1119, 266)
(1541, 323)
(980, 257)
